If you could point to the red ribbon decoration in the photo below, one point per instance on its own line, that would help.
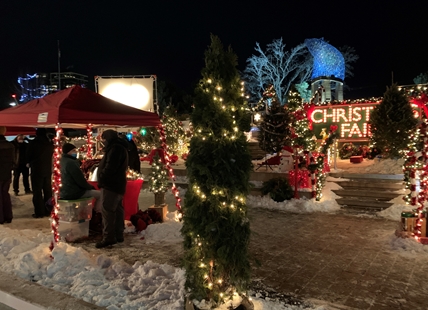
(161, 152)
(153, 153)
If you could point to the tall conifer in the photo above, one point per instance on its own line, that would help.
(275, 126)
(216, 229)
(391, 123)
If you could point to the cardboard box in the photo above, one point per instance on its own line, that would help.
(409, 223)
(162, 210)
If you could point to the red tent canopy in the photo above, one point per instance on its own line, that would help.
(13, 131)
(76, 107)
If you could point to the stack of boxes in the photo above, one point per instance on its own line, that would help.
(74, 217)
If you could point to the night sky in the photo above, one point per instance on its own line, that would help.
(168, 38)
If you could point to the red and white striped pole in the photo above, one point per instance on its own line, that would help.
(313, 180)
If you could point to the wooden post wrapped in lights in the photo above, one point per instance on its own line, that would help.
(167, 163)
(89, 141)
(56, 185)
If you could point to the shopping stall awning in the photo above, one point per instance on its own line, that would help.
(76, 107)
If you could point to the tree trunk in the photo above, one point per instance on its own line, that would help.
(159, 199)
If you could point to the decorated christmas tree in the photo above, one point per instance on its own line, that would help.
(216, 229)
(158, 179)
(301, 132)
(176, 138)
(275, 126)
(392, 122)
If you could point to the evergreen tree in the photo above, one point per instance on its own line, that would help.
(391, 123)
(301, 133)
(216, 229)
(275, 126)
(158, 179)
(176, 138)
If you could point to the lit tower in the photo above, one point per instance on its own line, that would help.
(328, 70)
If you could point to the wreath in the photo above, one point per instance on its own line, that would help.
(347, 150)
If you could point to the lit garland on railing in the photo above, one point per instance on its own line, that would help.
(321, 160)
(411, 163)
(174, 188)
(56, 185)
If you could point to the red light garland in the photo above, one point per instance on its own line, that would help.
(56, 184)
(89, 141)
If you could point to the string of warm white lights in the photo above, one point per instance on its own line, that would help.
(221, 201)
(422, 184)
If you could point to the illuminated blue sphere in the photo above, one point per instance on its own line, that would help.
(328, 61)
(129, 136)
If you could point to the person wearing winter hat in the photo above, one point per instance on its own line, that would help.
(7, 162)
(112, 181)
(74, 185)
(39, 159)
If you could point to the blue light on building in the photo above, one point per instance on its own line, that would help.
(328, 60)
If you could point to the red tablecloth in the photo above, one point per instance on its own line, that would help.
(130, 199)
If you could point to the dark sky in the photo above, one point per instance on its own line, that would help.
(168, 38)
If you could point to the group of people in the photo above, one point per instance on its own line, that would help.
(111, 177)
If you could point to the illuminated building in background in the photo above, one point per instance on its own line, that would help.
(38, 85)
(328, 70)
(67, 80)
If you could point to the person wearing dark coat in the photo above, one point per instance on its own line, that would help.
(21, 165)
(133, 157)
(112, 181)
(74, 185)
(39, 159)
(7, 162)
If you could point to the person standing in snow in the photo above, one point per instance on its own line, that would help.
(112, 182)
(7, 162)
(39, 159)
(21, 165)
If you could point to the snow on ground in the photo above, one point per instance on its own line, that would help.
(108, 282)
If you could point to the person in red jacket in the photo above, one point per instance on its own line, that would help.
(112, 182)
(7, 162)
